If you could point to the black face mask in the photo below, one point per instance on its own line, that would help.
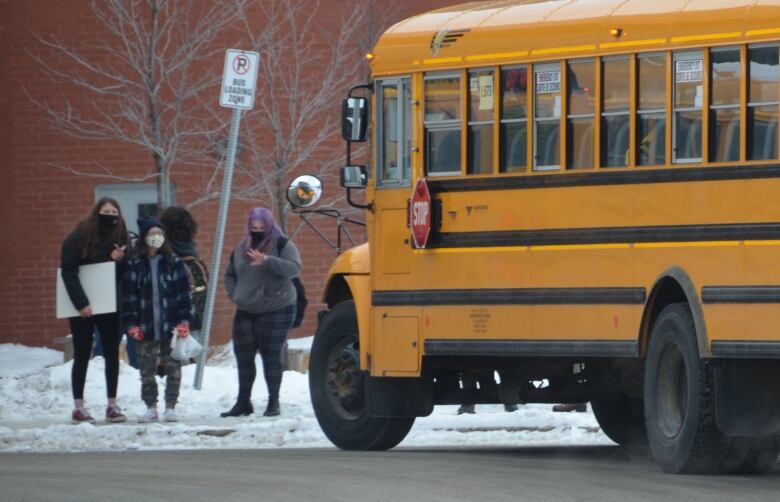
(108, 221)
(257, 237)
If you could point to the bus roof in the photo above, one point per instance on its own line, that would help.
(506, 31)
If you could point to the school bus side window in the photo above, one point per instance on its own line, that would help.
(394, 130)
(480, 131)
(514, 119)
(725, 82)
(547, 116)
(615, 123)
(688, 102)
(651, 110)
(442, 124)
(762, 102)
(581, 83)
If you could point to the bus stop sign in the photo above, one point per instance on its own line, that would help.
(420, 214)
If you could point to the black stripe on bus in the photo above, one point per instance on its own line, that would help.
(748, 350)
(606, 235)
(740, 294)
(516, 348)
(529, 296)
(606, 177)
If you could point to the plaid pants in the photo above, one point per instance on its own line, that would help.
(148, 350)
(265, 333)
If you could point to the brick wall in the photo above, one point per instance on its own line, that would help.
(40, 203)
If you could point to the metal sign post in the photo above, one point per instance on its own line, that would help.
(238, 92)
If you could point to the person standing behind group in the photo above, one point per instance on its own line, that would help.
(156, 303)
(181, 229)
(258, 281)
(101, 237)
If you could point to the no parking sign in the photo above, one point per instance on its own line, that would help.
(239, 79)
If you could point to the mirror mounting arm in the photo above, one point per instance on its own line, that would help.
(340, 220)
(368, 206)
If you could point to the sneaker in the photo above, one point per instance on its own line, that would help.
(81, 416)
(150, 416)
(170, 415)
(467, 408)
(114, 414)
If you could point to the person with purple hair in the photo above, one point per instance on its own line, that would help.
(258, 281)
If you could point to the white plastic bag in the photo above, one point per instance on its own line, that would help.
(183, 349)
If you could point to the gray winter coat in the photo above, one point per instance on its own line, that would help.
(267, 287)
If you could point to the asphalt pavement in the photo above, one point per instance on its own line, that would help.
(600, 473)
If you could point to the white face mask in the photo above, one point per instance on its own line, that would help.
(155, 241)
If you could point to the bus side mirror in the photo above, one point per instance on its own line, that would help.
(354, 119)
(304, 191)
(354, 177)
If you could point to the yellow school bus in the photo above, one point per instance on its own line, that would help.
(603, 226)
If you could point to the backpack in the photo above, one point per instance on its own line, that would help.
(199, 280)
(300, 291)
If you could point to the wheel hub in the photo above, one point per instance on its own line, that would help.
(672, 391)
(344, 381)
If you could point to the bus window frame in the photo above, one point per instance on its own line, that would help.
(451, 125)
(714, 109)
(749, 104)
(688, 55)
(404, 178)
(502, 168)
(640, 112)
(469, 123)
(571, 118)
(560, 119)
(627, 113)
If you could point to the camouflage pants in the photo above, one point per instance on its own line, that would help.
(148, 353)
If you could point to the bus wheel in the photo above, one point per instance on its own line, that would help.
(621, 418)
(337, 387)
(679, 398)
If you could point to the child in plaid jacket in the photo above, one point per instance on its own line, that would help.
(156, 303)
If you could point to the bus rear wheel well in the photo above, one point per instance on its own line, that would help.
(673, 286)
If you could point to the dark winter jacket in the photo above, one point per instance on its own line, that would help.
(267, 287)
(137, 295)
(71, 260)
(198, 275)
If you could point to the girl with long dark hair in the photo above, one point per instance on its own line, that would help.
(258, 281)
(101, 237)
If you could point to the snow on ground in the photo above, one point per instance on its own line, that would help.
(18, 360)
(35, 406)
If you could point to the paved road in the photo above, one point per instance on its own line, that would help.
(518, 474)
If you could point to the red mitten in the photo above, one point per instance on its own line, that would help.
(136, 333)
(182, 330)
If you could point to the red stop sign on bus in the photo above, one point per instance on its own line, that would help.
(420, 214)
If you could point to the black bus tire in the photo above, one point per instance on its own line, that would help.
(679, 399)
(621, 418)
(336, 385)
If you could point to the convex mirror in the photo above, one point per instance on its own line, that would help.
(304, 191)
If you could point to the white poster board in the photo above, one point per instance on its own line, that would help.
(99, 283)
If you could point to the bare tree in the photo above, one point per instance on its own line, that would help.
(146, 85)
(305, 70)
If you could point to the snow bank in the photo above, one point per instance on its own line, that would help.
(35, 406)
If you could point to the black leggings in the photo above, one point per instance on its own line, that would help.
(83, 330)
